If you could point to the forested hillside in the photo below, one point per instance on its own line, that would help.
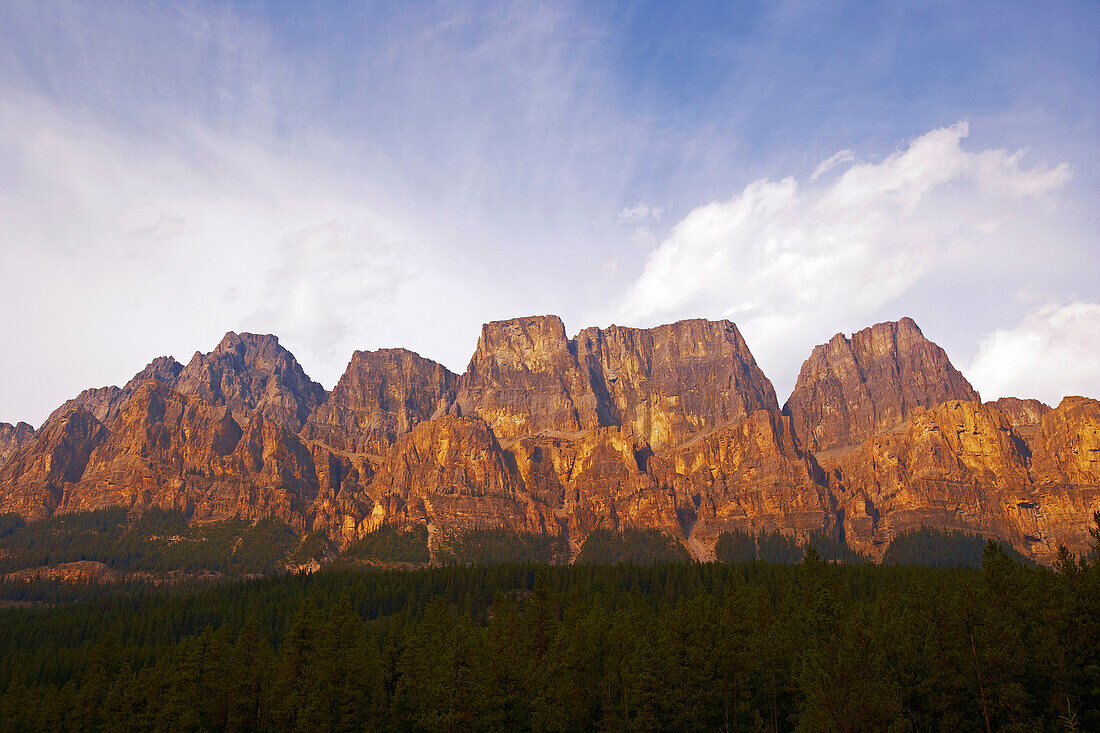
(745, 646)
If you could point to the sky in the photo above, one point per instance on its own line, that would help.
(366, 175)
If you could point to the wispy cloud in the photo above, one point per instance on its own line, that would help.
(844, 156)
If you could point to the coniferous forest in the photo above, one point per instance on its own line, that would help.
(746, 645)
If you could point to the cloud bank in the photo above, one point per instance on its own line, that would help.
(792, 263)
(1052, 353)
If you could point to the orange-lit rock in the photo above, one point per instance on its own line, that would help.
(851, 389)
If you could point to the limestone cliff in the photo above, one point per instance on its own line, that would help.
(35, 476)
(383, 394)
(671, 382)
(673, 428)
(961, 466)
(851, 389)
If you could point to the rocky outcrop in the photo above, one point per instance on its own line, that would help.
(12, 438)
(1020, 413)
(668, 383)
(451, 473)
(251, 373)
(672, 428)
(851, 389)
(524, 378)
(105, 402)
(36, 476)
(749, 476)
(961, 466)
(382, 395)
(662, 384)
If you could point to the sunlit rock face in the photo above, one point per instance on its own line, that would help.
(961, 466)
(851, 389)
(382, 395)
(251, 373)
(672, 428)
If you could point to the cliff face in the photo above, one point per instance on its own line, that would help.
(382, 395)
(961, 466)
(252, 373)
(524, 378)
(749, 476)
(105, 402)
(851, 389)
(35, 476)
(12, 438)
(668, 383)
(451, 473)
(673, 428)
(663, 384)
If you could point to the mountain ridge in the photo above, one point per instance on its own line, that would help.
(673, 428)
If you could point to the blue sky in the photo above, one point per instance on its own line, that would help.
(354, 176)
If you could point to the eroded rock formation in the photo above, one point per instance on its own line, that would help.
(673, 428)
(852, 388)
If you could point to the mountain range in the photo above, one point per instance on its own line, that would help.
(673, 428)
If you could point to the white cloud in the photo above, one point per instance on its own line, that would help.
(793, 265)
(1054, 352)
(843, 156)
(640, 213)
(329, 279)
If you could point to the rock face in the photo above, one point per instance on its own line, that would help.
(382, 395)
(663, 384)
(36, 476)
(672, 428)
(12, 438)
(524, 378)
(749, 476)
(961, 466)
(671, 382)
(451, 472)
(252, 373)
(105, 402)
(851, 389)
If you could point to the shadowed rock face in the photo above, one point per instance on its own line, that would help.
(673, 428)
(12, 438)
(382, 395)
(251, 373)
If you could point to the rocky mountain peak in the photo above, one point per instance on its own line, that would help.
(381, 395)
(249, 372)
(852, 388)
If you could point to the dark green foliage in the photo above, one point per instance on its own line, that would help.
(937, 548)
(389, 545)
(314, 546)
(643, 547)
(688, 646)
(778, 548)
(735, 547)
(158, 541)
(488, 546)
